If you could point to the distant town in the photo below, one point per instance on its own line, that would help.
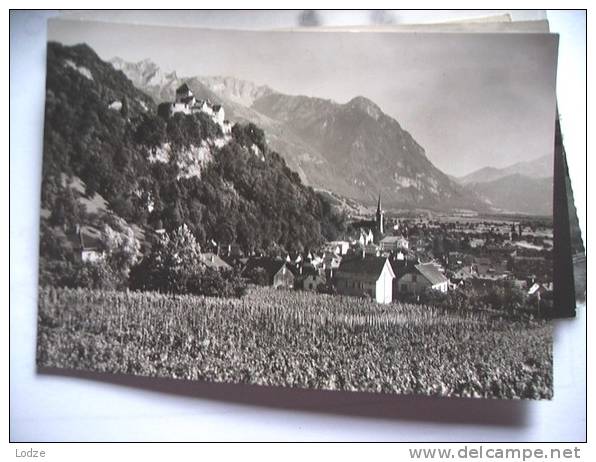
(383, 257)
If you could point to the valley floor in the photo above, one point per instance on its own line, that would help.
(295, 339)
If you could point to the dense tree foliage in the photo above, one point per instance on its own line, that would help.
(245, 194)
(175, 266)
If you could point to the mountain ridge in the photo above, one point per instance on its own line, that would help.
(517, 193)
(352, 148)
(540, 167)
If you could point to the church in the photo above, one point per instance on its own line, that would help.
(372, 231)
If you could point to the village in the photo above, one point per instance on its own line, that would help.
(400, 260)
(386, 258)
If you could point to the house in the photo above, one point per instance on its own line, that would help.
(369, 275)
(309, 278)
(90, 246)
(204, 107)
(315, 260)
(183, 93)
(115, 106)
(331, 261)
(463, 274)
(338, 247)
(393, 243)
(476, 243)
(313, 281)
(538, 290)
(212, 260)
(370, 249)
(423, 276)
(487, 269)
(219, 114)
(276, 271)
(366, 237)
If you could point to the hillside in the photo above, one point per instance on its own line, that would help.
(352, 149)
(155, 172)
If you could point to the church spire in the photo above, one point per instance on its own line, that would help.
(380, 217)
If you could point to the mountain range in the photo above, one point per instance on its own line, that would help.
(541, 167)
(524, 187)
(354, 149)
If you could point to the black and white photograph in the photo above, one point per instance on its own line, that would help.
(354, 211)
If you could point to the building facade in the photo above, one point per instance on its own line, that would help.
(424, 276)
(369, 276)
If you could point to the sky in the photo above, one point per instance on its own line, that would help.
(470, 100)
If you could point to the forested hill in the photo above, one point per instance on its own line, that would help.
(158, 171)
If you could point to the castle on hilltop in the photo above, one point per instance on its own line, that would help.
(187, 103)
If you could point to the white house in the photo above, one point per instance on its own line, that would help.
(331, 260)
(338, 247)
(115, 105)
(219, 115)
(365, 237)
(393, 243)
(372, 276)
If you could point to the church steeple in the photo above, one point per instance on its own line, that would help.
(380, 217)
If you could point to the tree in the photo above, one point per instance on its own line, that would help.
(172, 263)
(67, 211)
(258, 276)
(122, 249)
(124, 110)
(174, 266)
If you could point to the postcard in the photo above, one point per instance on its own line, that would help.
(367, 211)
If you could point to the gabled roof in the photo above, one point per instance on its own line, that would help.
(212, 260)
(270, 265)
(392, 239)
(369, 267)
(431, 272)
(89, 242)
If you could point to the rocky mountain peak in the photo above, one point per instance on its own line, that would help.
(364, 104)
(236, 90)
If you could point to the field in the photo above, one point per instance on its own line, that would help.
(296, 339)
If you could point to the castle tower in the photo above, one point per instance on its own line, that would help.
(380, 217)
(183, 93)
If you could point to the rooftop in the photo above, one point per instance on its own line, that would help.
(212, 260)
(368, 267)
(431, 272)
